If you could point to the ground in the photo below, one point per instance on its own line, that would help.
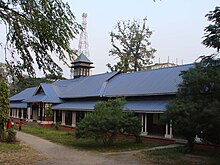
(38, 151)
(18, 154)
(57, 154)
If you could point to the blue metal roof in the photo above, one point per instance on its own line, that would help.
(35, 98)
(49, 95)
(149, 82)
(50, 92)
(82, 58)
(145, 83)
(90, 86)
(23, 94)
(18, 105)
(147, 106)
(77, 106)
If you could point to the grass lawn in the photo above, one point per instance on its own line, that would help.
(67, 138)
(9, 147)
(18, 153)
(180, 156)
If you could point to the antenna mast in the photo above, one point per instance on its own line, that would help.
(83, 46)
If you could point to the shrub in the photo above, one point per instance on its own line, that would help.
(11, 137)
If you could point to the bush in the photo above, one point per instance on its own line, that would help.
(107, 121)
(57, 125)
(11, 137)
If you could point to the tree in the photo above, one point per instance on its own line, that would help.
(212, 34)
(107, 121)
(4, 104)
(17, 85)
(36, 30)
(196, 109)
(131, 45)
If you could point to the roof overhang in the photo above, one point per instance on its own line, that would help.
(18, 105)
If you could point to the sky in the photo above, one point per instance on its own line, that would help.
(177, 26)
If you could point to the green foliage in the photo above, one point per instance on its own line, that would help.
(212, 34)
(48, 111)
(18, 85)
(107, 121)
(37, 29)
(196, 109)
(57, 125)
(4, 104)
(11, 137)
(131, 46)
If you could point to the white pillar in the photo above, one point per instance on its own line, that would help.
(169, 135)
(38, 111)
(171, 129)
(22, 113)
(73, 119)
(146, 124)
(43, 112)
(17, 113)
(63, 118)
(29, 113)
(142, 122)
(54, 116)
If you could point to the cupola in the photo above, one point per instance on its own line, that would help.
(82, 66)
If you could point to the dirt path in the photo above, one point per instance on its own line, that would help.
(57, 154)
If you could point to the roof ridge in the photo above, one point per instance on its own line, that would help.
(151, 70)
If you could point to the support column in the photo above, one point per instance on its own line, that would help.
(63, 118)
(142, 122)
(43, 115)
(54, 116)
(29, 113)
(169, 134)
(73, 119)
(17, 110)
(22, 113)
(39, 111)
(171, 129)
(146, 131)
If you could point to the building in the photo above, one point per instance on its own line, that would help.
(161, 65)
(147, 94)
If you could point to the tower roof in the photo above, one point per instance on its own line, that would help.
(82, 58)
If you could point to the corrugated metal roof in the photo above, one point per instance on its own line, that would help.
(82, 58)
(18, 105)
(85, 87)
(149, 82)
(77, 106)
(23, 94)
(147, 106)
(49, 95)
(35, 98)
(50, 92)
